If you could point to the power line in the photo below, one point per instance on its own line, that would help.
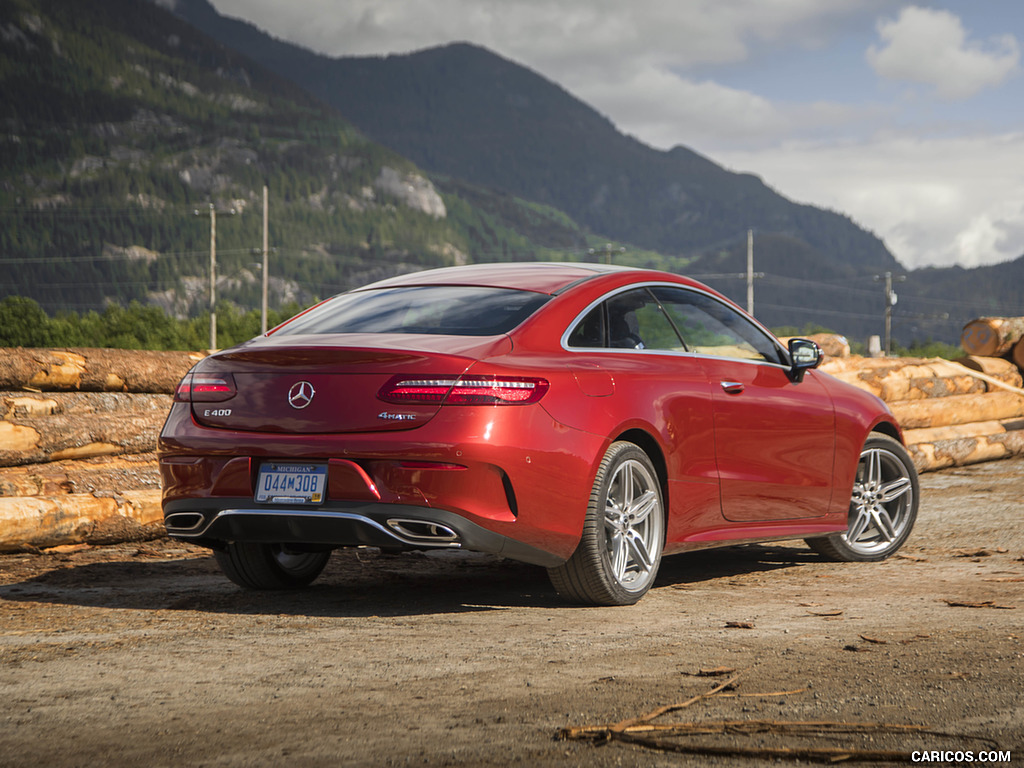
(815, 311)
(62, 260)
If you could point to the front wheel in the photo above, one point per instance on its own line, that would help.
(883, 506)
(270, 566)
(623, 533)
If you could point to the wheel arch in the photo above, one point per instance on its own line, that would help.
(888, 428)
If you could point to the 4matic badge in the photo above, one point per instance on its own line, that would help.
(387, 416)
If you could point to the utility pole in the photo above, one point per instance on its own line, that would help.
(750, 272)
(890, 302)
(263, 315)
(212, 213)
(607, 250)
(751, 275)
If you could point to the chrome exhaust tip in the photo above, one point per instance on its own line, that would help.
(423, 531)
(183, 521)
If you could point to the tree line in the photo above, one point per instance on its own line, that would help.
(23, 323)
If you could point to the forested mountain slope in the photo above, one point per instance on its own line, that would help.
(121, 122)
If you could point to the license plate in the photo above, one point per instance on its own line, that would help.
(292, 483)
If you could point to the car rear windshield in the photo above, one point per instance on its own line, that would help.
(455, 310)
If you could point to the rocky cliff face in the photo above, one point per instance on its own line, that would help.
(411, 189)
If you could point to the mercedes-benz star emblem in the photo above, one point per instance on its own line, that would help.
(301, 395)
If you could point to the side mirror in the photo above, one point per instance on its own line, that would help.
(804, 355)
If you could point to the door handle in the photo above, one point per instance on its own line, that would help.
(732, 387)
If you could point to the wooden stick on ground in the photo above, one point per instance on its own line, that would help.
(623, 725)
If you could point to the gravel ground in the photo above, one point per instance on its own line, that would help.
(143, 654)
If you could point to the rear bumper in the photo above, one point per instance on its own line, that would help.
(508, 480)
(389, 526)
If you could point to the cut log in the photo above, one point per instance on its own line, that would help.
(1017, 355)
(961, 431)
(36, 439)
(42, 521)
(911, 382)
(967, 450)
(957, 409)
(15, 405)
(916, 379)
(991, 336)
(997, 367)
(859, 364)
(103, 473)
(93, 370)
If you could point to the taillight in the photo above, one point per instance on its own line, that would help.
(205, 388)
(477, 390)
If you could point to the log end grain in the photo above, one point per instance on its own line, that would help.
(979, 338)
(991, 336)
(1018, 355)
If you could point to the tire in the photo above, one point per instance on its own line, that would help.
(618, 556)
(883, 506)
(269, 566)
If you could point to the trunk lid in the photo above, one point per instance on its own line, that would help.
(329, 384)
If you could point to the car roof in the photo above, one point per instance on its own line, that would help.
(540, 276)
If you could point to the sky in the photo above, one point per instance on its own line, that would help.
(907, 117)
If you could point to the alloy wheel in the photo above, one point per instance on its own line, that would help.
(633, 521)
(882, 502)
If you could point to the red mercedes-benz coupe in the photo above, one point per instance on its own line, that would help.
(581, 417)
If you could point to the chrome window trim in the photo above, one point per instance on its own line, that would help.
(687, 353)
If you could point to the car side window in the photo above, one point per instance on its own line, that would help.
(710, 327)
(630, 320)
(590, 332)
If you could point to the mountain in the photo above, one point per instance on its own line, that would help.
(467, 113)
(122, 122)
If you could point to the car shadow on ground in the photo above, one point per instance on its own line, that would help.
(691, 568)
(361, 584)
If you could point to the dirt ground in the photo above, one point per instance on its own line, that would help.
(143, 654)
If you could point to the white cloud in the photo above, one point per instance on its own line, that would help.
(931, 47)
(933, 201)
(563, 34)
(666, 110)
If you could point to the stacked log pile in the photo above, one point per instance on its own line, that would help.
(953, 413)
(78, 430)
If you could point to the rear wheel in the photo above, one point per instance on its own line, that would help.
(270, 566)
(883, 506)
(623, 533)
